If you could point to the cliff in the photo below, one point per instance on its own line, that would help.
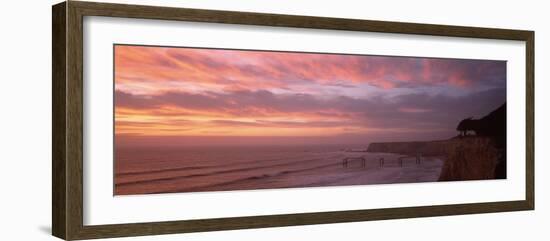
(471, 157)
(482, 156)
(466, 158)
(427, 148)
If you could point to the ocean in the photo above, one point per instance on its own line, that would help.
(148, 170)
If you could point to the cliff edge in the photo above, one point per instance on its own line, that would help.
(427, 148)
(467, 157)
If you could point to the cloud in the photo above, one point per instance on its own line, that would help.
(255, 70)
(186, 91)
(423, 110)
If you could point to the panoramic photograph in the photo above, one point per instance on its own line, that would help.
(192, 119)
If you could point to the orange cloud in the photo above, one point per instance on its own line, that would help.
(165, 91)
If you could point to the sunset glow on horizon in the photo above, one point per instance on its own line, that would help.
(194, 92)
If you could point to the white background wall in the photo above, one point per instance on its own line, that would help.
(25, 120)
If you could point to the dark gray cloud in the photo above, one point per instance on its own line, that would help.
(434, 111)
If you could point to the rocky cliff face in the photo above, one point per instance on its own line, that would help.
(466, 158)
(482, 156)
(471, 158)
(475, 157)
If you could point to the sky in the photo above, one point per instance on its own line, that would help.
(172, 95)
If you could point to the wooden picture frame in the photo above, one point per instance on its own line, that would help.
(67, 124)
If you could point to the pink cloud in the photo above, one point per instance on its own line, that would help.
(192, 91)
(254, 70)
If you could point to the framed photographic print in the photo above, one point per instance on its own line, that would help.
(171, 120)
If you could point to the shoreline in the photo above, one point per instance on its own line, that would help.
(289, 172)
